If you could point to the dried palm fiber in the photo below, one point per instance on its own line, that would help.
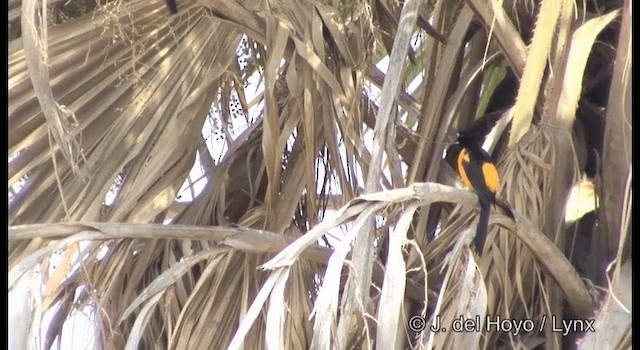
(63, 125)
(105, 68)
(212, 207)
(70, 61)
(161, 271)
(203, 214)
(109, 68)
(461, 291)
(529, 171)
(112, 69)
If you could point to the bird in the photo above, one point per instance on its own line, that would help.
(478, 172)
(172, 6)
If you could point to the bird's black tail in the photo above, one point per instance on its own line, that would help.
(483, 225)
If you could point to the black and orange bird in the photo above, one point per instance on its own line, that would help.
(478, 172)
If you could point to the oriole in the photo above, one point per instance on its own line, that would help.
(478, 172)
